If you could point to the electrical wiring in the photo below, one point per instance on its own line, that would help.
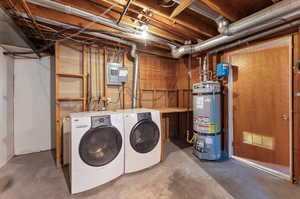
(29, 14)
(64, 37)
(87, 26)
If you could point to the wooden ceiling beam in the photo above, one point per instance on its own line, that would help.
(155, 50)
(76, 21)
(183, 5)
(155, 28)
(201, 27)
(157, 20)
(223, 8)
(86, 6)
(163, 14)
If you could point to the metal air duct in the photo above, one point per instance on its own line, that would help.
(224, 39)
(256, 36)
(272, 12)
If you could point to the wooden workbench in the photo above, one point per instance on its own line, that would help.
(172, 110)
(166, 116)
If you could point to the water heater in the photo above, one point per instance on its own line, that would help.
(207, 120)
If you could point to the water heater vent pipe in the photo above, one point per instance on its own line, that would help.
(205, 72)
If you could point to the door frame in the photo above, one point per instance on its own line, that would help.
(262, 45)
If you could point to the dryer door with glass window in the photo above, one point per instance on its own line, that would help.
(101, 145)
(144, 136)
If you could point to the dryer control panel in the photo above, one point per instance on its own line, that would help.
(144, 116)
(101, 121)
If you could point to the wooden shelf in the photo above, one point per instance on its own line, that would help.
(164, 90)
(172, 110)
(70, 75)
(70, 99)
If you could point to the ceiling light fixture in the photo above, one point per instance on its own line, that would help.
(144, 34)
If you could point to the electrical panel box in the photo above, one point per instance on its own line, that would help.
(222, 69)
(116, 74)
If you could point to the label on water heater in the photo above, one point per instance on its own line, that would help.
(202, 124)
(200, 102)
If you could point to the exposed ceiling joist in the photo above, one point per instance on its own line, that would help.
(165, 23)
(124, 11)
(83, 6)
(70, 19)
(183, 5)
(155, 20)
(160, 13)
(223, 8)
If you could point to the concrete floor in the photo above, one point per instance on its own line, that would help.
(180, 176)
(243, 181)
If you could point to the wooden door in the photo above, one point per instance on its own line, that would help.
(261, 95)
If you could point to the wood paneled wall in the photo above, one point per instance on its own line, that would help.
(167, 83)
(77, 66)
(157, 82)
(295, 99)
(183, 83)
(157, 73)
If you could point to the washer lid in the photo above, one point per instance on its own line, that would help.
(99, 146)
(144, 136)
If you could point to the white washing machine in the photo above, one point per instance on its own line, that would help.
(97, 149)
(142, 139)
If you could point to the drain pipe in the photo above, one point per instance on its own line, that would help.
(272, 12)
(177, 52)
(205, 72)
(133, 52)
(135, 81)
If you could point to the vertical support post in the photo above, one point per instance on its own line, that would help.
(58, 133)
(84, 79)
(153, 98)
(230, 109)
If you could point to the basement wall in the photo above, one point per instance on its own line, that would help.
(32, 105)
(183, 83)
(6, 108)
